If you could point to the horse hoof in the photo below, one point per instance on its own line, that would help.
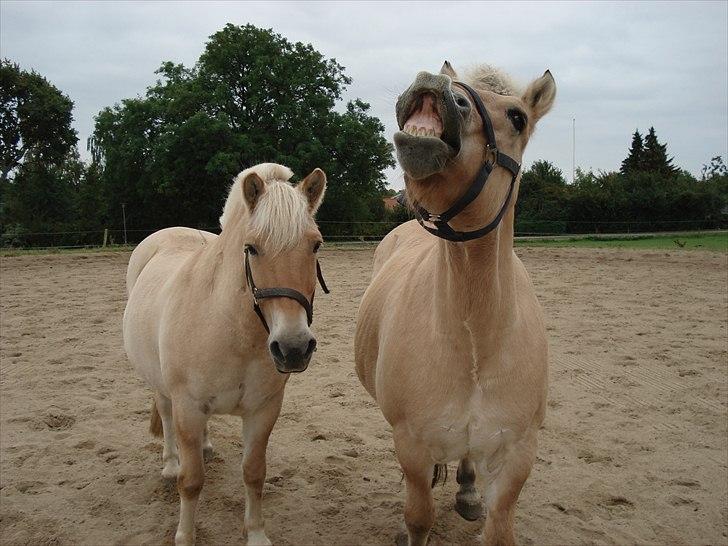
(469, 511)
(258, 538)
(184, 539)
(207, 453)
(401, 539)
(170, 471)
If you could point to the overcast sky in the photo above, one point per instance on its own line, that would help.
(618, 66)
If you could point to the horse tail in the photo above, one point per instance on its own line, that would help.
(155, 421)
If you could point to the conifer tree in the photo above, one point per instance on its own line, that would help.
(633, 162)
(655, 157)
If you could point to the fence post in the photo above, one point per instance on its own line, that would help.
(106, 236)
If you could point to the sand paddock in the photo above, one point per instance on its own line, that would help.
(634, 450)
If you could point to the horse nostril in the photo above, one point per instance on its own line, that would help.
(275, 350)
(311, 347)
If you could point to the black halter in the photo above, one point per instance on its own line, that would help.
(440, 226)
(262, 293)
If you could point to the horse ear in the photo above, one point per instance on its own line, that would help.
(540, 95)
(253, 189)
(448, 70)
(313, 188)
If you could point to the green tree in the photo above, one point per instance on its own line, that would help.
(634, 161)
(253, 96)
(655, 157)
(42, 201)
(716, 168)
(541, 206)
(35, 119)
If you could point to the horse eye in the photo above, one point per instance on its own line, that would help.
(461, 101)
(251, 250)
(518, 119)
(316, 247)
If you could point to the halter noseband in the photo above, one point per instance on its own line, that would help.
(440, 221)
(278, 292)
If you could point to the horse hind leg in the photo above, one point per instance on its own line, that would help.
(467, 500)
(207, 450)
(162, 414)
(189, 423)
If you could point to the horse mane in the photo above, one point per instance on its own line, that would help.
(281, 215)
(489, 77)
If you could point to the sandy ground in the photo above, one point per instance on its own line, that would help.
(635, 447)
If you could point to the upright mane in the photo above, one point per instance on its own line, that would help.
(485, 76)
(282, 214)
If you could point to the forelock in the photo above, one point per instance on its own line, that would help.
(281, 217)
(493, 79)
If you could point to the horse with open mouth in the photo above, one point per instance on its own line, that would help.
(450, 339)
(215, 325)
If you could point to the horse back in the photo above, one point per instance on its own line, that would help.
(403, 236)
(173, 243)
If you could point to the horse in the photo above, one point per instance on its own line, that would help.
(208, 340)
(450, 338)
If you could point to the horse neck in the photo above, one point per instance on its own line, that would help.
(478, 276)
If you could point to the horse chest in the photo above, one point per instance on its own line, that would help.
(465, 427)
(244, 392)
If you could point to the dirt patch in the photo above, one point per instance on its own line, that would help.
(634, 448)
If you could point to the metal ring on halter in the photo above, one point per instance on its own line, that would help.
(440, 221)
(280, 292)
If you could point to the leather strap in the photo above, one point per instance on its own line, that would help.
(280, 292)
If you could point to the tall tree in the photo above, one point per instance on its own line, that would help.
(253, 96)
(715, 169)
(634, 161)
(541, 204)
(655, 156)
(35, 118)
(42, 200)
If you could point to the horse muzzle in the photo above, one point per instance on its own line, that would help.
(292, 356)
(429, 120)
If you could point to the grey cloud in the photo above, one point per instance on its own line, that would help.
(618, 66)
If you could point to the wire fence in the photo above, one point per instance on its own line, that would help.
(345, 231)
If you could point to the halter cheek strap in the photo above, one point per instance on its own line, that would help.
(439, 225)
(280, 292)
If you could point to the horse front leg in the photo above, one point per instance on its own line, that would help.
(504, 484)
(419, 507)
(257, 427)
(189, 424)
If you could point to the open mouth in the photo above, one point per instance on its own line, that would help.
(424, 120)
(429, 122)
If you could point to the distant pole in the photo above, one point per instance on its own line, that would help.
(123, 213)
(573, 151)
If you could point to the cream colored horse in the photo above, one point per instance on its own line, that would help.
(191, 332)
(450, 339)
